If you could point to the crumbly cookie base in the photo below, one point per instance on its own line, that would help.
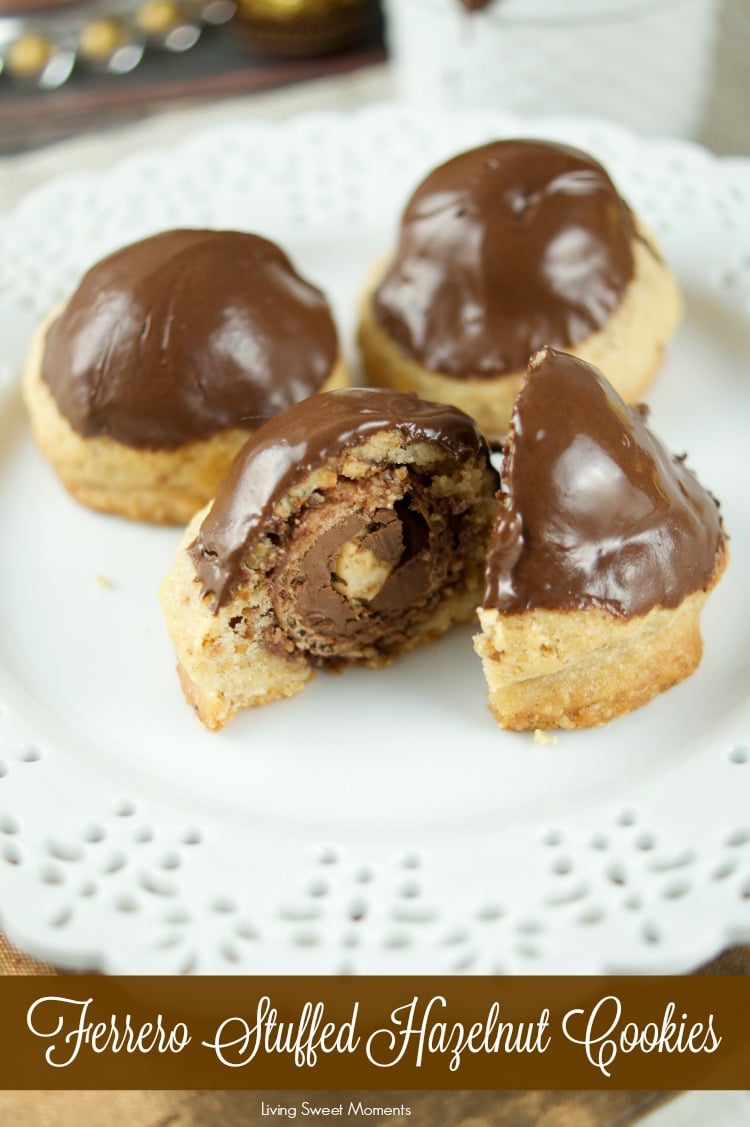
(580, 669)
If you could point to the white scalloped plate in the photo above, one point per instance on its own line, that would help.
(380, 821)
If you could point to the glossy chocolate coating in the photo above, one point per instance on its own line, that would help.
(504, 249)
(597, 512)
(185, 334)
(288, 448)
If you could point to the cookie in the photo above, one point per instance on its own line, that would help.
(603, 554)
(502, 250)
(349, 529)
(171, 352)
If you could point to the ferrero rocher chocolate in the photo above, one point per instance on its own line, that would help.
(305, 27)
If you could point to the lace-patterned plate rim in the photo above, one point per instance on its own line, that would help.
(160, 868)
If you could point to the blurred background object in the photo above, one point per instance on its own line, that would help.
(116, 61)
(726, 126)
(301, 28)
(41, 41)
(643, 63)
(68, 67)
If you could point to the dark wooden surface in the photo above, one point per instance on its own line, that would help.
(219, 66)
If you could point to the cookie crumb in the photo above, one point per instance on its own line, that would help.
(105, 582)
(543, 739)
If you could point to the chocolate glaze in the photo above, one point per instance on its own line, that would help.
(184, 334)
(597, 512)
(504, 249)
(287, 449)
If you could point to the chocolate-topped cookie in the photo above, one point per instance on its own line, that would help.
(169, 354)
(502, 250)
(603, 553)
(348, 529)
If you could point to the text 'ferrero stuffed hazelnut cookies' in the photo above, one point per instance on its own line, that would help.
(502, 250)
(170, 353)
(602, 557)
(349, 528)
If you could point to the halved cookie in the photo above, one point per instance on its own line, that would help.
(350, 528)
(604, 551)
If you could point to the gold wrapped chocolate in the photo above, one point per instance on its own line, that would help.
(28, 56)
(100, 39)
(304, 27)
(292, 9)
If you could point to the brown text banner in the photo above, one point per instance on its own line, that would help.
(377, 1033)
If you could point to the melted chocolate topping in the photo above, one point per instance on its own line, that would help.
(185, 334)
(504, 249)
(287, 449)
(597, 512)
